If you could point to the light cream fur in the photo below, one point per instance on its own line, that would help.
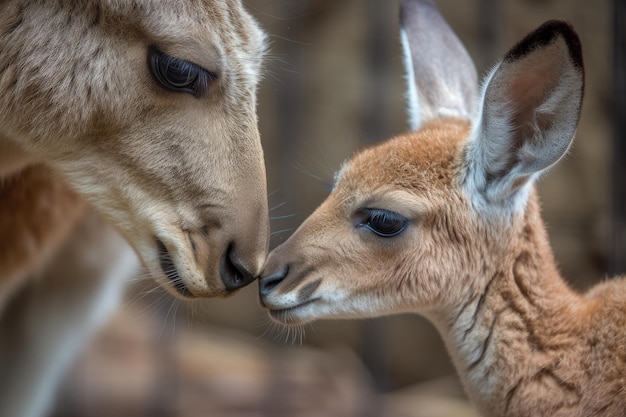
(474, 256)
(86, 128)
(76, 94)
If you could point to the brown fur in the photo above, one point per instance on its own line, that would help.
(522, 340)
(37, 212)
(474, 256)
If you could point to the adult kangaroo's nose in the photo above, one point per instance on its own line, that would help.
(233, 273)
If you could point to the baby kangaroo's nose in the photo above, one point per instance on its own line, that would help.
(269, 282)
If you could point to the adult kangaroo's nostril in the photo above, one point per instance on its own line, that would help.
(268, 283)
(234, 274)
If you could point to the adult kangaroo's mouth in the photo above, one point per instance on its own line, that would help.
(169, 269)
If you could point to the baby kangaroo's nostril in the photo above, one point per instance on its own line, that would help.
(268, 283)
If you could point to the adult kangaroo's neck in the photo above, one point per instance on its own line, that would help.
(510, 331)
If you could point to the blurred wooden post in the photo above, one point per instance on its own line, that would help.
(488, 33)
(379, 62)
(617, 254)
(289, 113)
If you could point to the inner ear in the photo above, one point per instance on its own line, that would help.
(531, 105)
(533, 111)
(528, 93)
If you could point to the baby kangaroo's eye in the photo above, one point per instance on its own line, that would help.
(384, 223)
(177, 74)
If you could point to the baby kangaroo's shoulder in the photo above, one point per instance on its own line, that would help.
(607, 307)
(611, 290)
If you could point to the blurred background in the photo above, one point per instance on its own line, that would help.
(334, 83)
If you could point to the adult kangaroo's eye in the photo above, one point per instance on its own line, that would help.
(383, 222)
(177, 74)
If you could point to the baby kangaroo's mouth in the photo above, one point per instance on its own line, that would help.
(274, 310)
(169, 269)
(293, 315)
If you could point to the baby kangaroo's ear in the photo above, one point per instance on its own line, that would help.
(441, 76)
(530, 108)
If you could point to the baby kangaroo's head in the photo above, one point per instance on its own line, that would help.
(410, 223)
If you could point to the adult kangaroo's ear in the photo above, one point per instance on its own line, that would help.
(441, 76)
(531, 106)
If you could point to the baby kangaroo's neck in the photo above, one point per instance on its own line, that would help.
(523, 342)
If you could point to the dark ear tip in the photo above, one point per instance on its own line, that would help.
(546, 34)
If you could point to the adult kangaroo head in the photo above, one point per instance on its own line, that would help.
(147, 108)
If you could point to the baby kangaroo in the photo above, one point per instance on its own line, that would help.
(445, 221)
